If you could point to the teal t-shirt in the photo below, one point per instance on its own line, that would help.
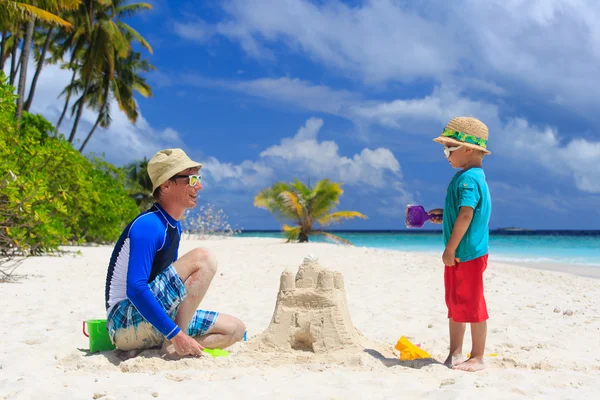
(469, 189)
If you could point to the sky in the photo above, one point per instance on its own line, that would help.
(355, 91)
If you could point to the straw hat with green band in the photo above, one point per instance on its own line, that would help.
(465, 131)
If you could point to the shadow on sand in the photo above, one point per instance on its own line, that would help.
(392, 362)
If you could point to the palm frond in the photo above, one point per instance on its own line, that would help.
(291, 200)
(332, 237)
(130, 10)
(291, 232)
(135, 34)
(44, 15)
(338, 216)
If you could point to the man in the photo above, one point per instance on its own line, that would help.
(152, 295)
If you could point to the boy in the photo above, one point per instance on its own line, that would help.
(466, 215)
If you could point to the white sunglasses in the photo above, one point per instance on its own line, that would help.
(448, 150)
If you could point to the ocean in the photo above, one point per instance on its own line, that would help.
(561, 247)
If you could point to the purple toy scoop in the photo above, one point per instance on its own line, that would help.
(416, 216)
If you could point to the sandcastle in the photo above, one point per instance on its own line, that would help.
(311, 313)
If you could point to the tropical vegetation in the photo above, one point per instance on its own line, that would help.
(88, 37)
(50, 194)
(305, 207)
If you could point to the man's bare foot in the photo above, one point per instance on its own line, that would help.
(127, 354)
(471, 365)
(451, 361)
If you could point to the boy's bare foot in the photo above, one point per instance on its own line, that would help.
(451, 361)
(471, 365)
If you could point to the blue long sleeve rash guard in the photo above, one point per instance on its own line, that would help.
(147, 246)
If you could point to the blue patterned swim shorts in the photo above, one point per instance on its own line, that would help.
(127, 328)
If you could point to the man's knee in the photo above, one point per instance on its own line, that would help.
(239, 331)
(205, 261)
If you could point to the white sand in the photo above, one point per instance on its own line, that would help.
(542, 352)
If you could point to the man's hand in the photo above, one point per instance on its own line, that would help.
(437, 214)
(185, 345)
(449, 257)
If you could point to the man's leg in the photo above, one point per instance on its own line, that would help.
(226, 331)
(457, 334)
(196, 269)
(475, 362)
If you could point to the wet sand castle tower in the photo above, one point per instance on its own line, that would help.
(311, 313)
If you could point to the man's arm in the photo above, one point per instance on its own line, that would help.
(145, 239)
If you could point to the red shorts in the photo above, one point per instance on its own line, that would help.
(464, 290)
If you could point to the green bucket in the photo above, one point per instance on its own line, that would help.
(98, 334)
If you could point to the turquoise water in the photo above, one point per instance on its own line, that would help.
(581, 248)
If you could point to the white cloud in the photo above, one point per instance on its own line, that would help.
(304, 151)
(504, 193)
(247, 174)
(303, 155)
(121, 142)
(549, 46)
(444, 103)
(373, 41)
(576, 158)
(197, 31)
(512, 138)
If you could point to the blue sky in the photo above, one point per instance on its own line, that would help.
(355, 91)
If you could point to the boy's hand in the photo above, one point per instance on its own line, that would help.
(437, 214)
(449, 257)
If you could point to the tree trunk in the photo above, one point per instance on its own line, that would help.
(13, 63)
(24, 60)
(2, 47)
(91, 133)
(79, 112)
(38, 70)
(66, 102)
(302, 238)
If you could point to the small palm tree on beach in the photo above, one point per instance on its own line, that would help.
(305, 206)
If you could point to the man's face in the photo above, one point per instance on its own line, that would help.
(180, 191)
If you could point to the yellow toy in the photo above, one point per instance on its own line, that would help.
(409, 351)
(486, 355)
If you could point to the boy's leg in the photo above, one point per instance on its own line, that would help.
(456, 329)
(476, 311)
(457, 334)
(478, 334)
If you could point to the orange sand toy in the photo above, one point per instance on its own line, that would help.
(409, 351)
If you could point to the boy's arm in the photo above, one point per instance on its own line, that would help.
(468, 198)
(465, 216)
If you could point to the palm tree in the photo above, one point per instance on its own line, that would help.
(27, 12)
(121, 87)
(139, 183)
(42, 40)
(107, 38)
(305, 205)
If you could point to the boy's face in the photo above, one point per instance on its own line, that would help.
(459, 156)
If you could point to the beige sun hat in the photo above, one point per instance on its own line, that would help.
(167, 163)
(465, 131)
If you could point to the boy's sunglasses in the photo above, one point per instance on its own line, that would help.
(448, 150)
(193, 180)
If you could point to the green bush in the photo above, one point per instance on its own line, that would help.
(51, 195)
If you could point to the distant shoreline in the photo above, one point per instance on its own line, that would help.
(503, 231)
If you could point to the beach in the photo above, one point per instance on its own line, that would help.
(544, 327)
